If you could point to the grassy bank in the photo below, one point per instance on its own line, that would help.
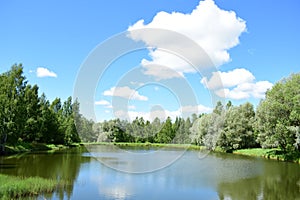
(150, 145)
(29, 147)
(275, 154)
(15, 187)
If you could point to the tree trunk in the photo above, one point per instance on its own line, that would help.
(2, 144)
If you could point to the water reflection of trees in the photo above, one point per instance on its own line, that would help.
(59, 165)
(278, 181)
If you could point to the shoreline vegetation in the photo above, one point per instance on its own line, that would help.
(270, 153)
(34, 147)
(267, 153)
(29, 123)
(17, 187)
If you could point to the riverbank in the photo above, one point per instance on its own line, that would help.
(31, 147)
(161, 145)
(274, 154)
(17, 187)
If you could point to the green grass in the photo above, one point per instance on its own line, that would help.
(149, 145)
(16, 187)
(275, 154)
(23, 147)
(259, 152)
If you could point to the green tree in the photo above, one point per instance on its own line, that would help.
(278, 115)
(31, 131)
(56, 109)
(26, 117)
(166, 134)
(48, 121)
(12, 88)
(238, 128)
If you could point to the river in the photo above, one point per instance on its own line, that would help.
(106, 172)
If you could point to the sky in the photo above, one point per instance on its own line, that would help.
(169, 58)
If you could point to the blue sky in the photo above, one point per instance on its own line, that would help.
(252, 43)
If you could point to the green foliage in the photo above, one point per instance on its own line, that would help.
(278, 116)
(14, 187)
(238, 130)
(230, 128)
(28, 117)
(166, 134)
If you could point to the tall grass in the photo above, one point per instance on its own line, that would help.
(275, 154)
(16, 187)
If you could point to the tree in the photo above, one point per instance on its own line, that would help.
(166, 134)
(48, 121)
(26, 117)
(31, 131)
(228, 105)
(238, 130)
(278, 115)
(12, 87)
(179, 130)
(194, 117)
(206, 130)
(219, 108)
(68, 122)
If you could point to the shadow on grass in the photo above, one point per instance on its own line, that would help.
(283, 155)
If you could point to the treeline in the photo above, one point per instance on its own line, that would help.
(29, 117)
(139, 130)
(275, 123)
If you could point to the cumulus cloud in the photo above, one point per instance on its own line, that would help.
(228, 79)
(236, 84)
(195, 109)
(107, 104)
(213, 29)
(125, 92)
(44, 72)
(162, 114)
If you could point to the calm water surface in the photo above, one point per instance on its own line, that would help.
(216, 176)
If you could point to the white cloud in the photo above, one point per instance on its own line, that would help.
(196, 109)
(163, 114)
(131, 107)
(165, 65)
(125, 92)
(107, 104)
(228, 79)
(233, 94)
(213, 29)
(44, 72)
(102, 103)
(236, 84)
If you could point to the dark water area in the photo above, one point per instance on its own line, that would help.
(103, 172)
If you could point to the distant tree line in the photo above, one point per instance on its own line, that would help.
(275, 123)
(139, 130)
(26, 116)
